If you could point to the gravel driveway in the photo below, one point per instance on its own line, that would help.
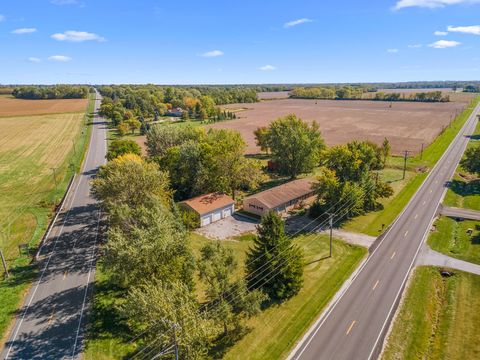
(227, 228)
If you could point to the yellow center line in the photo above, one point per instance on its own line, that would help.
(350, 327)
(416, 216)
(374, 286)
(393, 255)
(406, 232)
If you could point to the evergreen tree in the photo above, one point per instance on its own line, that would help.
(274, 264)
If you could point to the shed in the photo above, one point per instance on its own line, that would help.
(210, 207)
(280, 198)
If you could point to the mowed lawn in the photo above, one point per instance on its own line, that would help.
(30, 146)
(272, 334)
(452, 239)
(439, 318)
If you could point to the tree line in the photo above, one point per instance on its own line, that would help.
(51, 92)
(348, 173)
(148, 256)
(357, 93)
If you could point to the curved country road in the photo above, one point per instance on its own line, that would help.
(51, 323)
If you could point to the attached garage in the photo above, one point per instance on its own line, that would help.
(210, 207)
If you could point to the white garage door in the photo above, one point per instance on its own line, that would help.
(217, 215)
(205, 220)
(227, 212)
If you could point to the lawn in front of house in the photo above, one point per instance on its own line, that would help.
(272, 333)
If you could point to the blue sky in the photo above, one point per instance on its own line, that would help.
(243, 41)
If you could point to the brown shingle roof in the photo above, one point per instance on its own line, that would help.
(204, 204)
(282, 194)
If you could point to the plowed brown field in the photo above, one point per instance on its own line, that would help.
(406, 124)
(9, 106)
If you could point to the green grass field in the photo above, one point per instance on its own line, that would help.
(451, 238)
(273, 333)
(30, 146)
(371, 224)
(439, 318)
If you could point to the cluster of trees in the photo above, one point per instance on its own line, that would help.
(200, 161)
(431, 96)
(148, 256)
(343, 92)
(51, 92)
(471, 160)
(153, 101)
(295, 146)
(472, 88)
(348, 183)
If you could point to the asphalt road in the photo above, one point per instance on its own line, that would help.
(51, 323)
(355, 326)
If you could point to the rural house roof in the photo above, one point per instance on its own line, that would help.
(282, 194)
(207, 203)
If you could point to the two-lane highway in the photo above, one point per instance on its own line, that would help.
(354, 326)
(51, 323)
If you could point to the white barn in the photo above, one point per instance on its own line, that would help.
(210, 207)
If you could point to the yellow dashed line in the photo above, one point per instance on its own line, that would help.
(350, 327)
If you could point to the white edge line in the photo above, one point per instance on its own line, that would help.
(87, 285)
(416, 253)
(12, 340)
(324, 315)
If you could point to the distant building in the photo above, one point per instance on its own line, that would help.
(175, 112)
(281, 198)
(210, 207)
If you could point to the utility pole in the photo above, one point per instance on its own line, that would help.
(330, 223)
(56, 185)
(421, 153)
(4, 264)
(74, 148)
(405, 163)
(174, 326)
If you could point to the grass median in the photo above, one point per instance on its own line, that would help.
(437, 319)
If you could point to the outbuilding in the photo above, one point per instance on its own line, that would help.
(280, 198)
(210, 207)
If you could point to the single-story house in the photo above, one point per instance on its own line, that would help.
(210, 207)
(280, 198)
(174, 112)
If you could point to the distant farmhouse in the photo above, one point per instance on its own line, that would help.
(210, 207)
(281, 198)
(176, 111)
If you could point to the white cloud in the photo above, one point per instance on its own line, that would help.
(34, 59)
(2, 18)
(474, 29)
(415, 46)
(267, 68)
(393, 51)
(431, 3)
(442, 44)
(77, 36)
(440, 33)
(24, 31)
(60, 58)
(213, 53)
(297, 22)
